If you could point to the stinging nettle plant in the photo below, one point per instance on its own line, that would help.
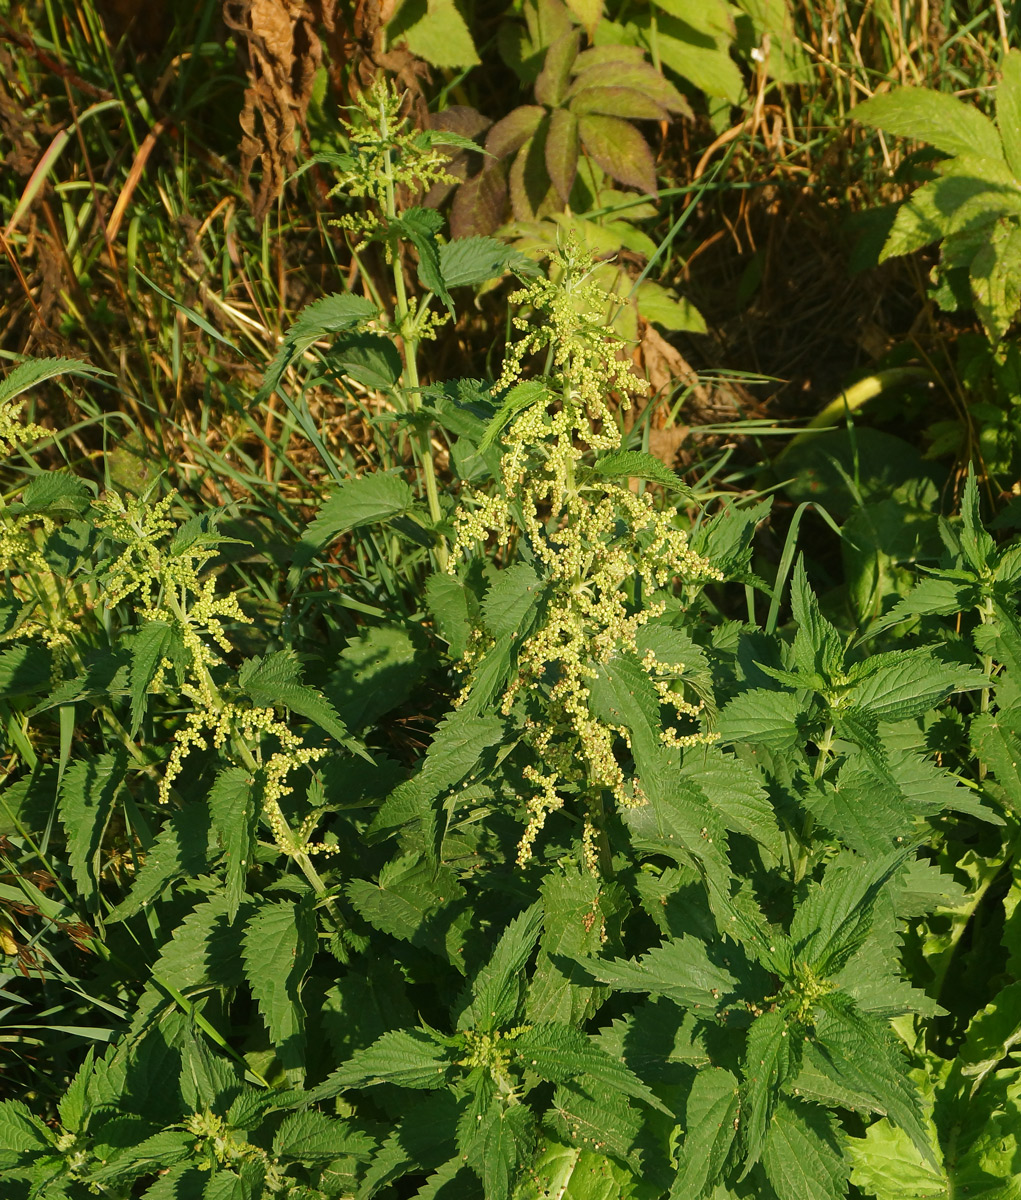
(637, 918)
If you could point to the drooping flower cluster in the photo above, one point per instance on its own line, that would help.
(602, 548)
(167, 583)
(13, 431)
(21, 545)
(161, 567)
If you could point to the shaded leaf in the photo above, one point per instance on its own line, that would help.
(278, 944)
(620, 150)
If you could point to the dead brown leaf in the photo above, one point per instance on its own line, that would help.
(283, 51)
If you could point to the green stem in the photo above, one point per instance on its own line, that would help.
(821, 762)
(409, 334)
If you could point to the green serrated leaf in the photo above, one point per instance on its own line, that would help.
(368, 358)
(447, 598)
(521, 396)
(598, 1117)
(87, 793)
(276, 680)
(73, 1107)
(31, 373)
(907, 683)
(495, 993)
(737, 792)
(563, 1054)
(235, 818)
(181, 1182)
(764, 716)
(680, 969)
(937, 118)
(55, 494)
(858, 1053)
(572, 1173)
(420, 226)
(930, 596)
(635, 464)
(25, 670)
(368, 500)
(588, 12)
(22, 1133)
(330, 315)
(409, 894)
(225, 1185)
(711, 1118)
(277, 948)
(502, 1142)
(312, 1136)
(513, 593)
(411, 1058)
(772, 1056)
(180, 851)
(803, 1155)
(204, 950)
(817, 647)
(580, 914)
(208, 1081)
(148, 650)
(467, 262)
(834, 919)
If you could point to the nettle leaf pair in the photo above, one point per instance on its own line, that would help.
(973, 207)
(164, 1107)
(489, 1072)
(781, 1026)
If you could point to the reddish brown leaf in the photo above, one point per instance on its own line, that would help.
(530, 185)
(620, 150)
(551, 86)
(514, 130)
(562, 151)
(641, 77)
(618, 102)
(469, 122)
(480, 203)
(615, 53)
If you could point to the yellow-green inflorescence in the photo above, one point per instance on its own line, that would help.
(590, 539)
(170, 585)
(21, 539)
(387, 153)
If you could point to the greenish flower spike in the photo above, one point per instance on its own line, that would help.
(386, 155)
(593, 540)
